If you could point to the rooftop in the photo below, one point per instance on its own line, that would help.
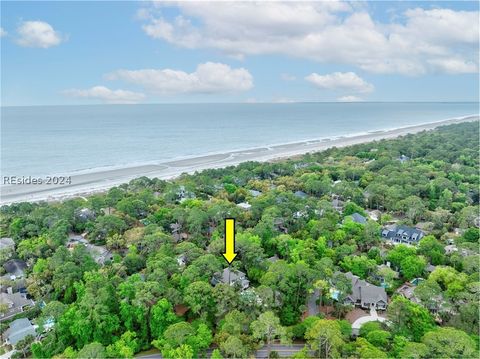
(18, 330)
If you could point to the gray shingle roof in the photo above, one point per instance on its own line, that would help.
(15, 267)
(6, 243)
(18, 330)
(403, 233)
(230, 276)
(365, 292)
(357, 217)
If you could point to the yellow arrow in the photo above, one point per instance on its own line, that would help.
(229, 240)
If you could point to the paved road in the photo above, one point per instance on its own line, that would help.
(281, 349)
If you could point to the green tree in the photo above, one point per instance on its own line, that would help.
(414, 350)
(125, 347)
(233, 347)
(432, 249)
(365, 350)
(379, 338)
(325, 337)
(449, 343)
(267, 327)
(199, 297)
(412, 266)
(92, 350)
(409, 319)
(161, 316)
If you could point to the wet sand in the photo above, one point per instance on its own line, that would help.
(88, 183)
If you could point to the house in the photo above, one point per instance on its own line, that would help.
(182, 260)
(358, 218)
(7, 244)
(374, 214)
(300, 194)
(337, 204)
(85, 214)
(15, 268)
(430, 268)
(99, 253)
(183, 194)
(254, 193)
(366, 295)
(406, 290)
(177, 232)
(244, 205)
(403, 159)
(74, 239)
(231, 277)
(15, 303)
(10, 284)
(19, 329)
(300, 214)
(450, 249)
(279, 224)
(403, 234)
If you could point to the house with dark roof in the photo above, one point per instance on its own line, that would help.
(366, 295)
(15, 268)
(19, 329)
(15, 303)
(403, 234)
(231, 277)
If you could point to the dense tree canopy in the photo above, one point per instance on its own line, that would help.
(159, 288)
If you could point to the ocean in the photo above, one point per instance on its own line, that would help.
(48, 140)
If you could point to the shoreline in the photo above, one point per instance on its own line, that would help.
(84, 184)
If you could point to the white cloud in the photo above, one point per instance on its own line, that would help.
(208, 78)
(342, 81)
(37, 34)
(454, 65)
(349, 98)
(330, 32)
(106, 95)
(2, 32)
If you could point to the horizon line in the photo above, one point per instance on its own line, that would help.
(233, 103)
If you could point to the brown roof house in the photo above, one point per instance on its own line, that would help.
(12, 304)
(366, 295)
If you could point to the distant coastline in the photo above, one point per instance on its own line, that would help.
(84, 184)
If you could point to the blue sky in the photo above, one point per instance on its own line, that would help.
(56, 53)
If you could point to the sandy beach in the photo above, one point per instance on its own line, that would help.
(88, 183)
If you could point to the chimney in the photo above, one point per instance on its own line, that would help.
(10, 290)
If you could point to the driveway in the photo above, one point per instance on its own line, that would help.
(312, 305)
(373, 317)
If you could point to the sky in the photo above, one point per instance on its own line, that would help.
(96, 52)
